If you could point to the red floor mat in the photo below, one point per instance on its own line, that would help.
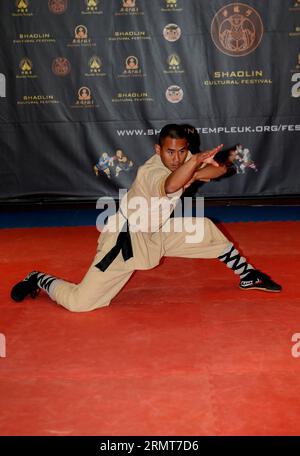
(180, 351)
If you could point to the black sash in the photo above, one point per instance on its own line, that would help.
(123, 245)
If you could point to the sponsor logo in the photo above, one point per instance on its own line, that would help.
(174, 94)
(57, 6)
(296, 347)
(33, 38)
(172, 32)
(131, 97)
(81, 38)
(61, 66)
(245, 283)
(38, 99)
(81, 32)
(132, 68)
(95, 67)
(26, 69)
(2, 346)
(174, 65)
(129, 35)
(295, 5)
(296, 32)
(129, 8)
(84, 99)
(92, 7)
(237, 29)
(171, 5)
(237, 77)
(22, 8)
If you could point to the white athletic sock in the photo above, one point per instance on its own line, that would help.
(52, 287)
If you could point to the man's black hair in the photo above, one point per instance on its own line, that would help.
(192, 137)
(173, 131)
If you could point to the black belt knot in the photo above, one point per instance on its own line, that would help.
(123, 245)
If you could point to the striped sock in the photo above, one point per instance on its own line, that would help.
(233, 260)
(44, 281)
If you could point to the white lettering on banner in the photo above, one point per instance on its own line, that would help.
(296, 347)
(2, 346)
(229, 129)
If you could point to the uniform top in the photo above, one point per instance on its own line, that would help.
(147, 207)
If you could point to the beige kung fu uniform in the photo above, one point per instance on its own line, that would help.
(98, 288)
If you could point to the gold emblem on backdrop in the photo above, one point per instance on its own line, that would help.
(237, 29)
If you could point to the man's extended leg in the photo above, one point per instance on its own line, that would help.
(214, 245)
(96, 289)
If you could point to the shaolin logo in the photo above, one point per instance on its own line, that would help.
(237, 29)
(95, 65)
(129, 7)
(172, 32)
(91, 5)
(171, 5)
(128, 4)
(174, 62)
(81, 37)
(131, 68)
(61, 66)
(81, 32)
(174, 94)
(84, 99)
(26, 67)
(174, 65)
(84, 94)
(22, 8)
(57, 6)
(295, 5)
(132, 63)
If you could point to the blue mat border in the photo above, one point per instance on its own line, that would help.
(87, 217)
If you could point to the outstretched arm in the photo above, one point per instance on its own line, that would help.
(207, 173)
(178, 179)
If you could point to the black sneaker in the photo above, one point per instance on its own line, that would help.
(256, 280)
(28, 287)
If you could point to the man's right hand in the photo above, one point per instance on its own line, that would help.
(207, 157)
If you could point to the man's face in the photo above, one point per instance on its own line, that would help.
(173, 152)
